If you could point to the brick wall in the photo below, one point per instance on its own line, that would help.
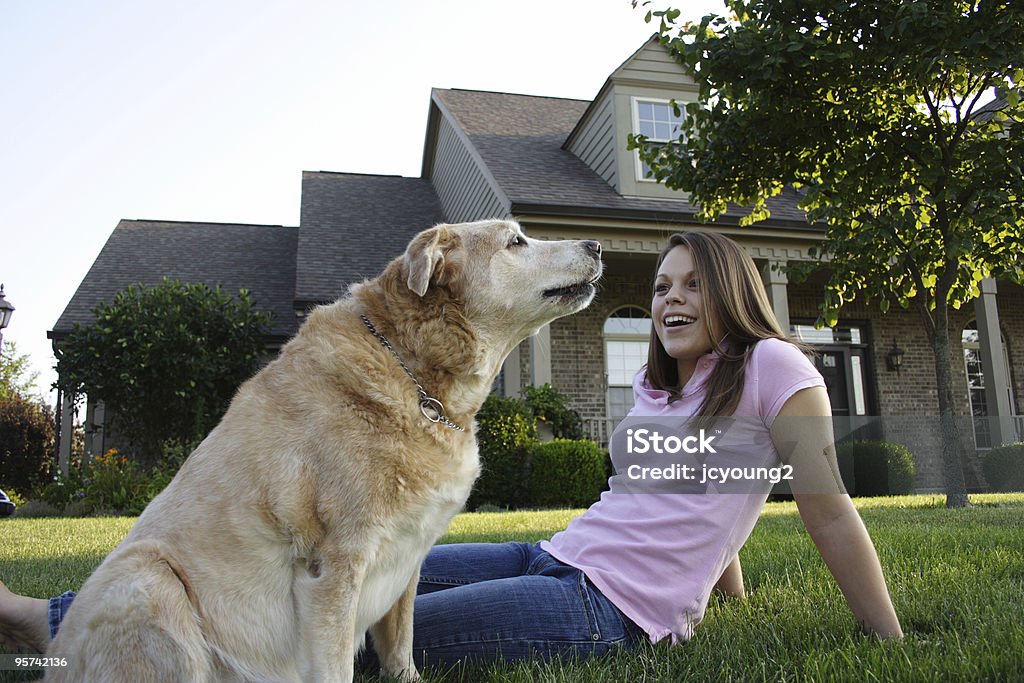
(577, 342)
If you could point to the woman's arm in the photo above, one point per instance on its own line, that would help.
(730, 584)
(827, 512)
(838, 532)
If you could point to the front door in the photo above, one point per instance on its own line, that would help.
(844, 371)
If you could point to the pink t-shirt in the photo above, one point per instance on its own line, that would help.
(657, 556)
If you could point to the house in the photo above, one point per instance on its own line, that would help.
(561, 167)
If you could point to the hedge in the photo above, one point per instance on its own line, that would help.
(505, 431)
(1004, 467)
(879, 468)
(26, 444)
(566, 473)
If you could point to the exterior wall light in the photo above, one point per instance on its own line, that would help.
(894, 360)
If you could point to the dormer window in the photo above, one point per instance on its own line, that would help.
(635, 100)
(656, 120)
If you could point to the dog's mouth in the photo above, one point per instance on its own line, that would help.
(573, 292)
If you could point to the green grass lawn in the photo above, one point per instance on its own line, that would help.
(956, 576)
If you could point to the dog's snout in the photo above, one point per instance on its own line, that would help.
(592, 246)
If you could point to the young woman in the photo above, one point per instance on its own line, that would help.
(641, 566)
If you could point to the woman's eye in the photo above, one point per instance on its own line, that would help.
(694, 284)
(660, 288)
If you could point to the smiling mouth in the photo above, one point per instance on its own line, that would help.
(678, 320)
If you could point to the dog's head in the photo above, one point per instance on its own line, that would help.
(463, 296)
(507, 285)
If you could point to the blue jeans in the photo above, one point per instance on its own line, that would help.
(509, 601)
(487, 602)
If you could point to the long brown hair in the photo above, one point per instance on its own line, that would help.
(736, 310)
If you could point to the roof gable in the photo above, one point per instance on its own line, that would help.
(653, 66)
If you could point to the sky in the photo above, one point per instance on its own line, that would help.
(209, 110)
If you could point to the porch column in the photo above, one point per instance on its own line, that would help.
(997, 383)
(540, 357)
(89, 431)
(510, 374)
(98, 420)
(776, 283)
(67, 426)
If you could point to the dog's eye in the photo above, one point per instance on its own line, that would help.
(516, 241)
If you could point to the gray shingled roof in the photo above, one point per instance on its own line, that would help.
(520, 138)
(353, 225)
(260, 258)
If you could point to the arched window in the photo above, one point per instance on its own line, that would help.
(976, 383)
(627, 334)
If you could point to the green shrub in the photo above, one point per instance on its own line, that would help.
(108, 484)
(16, 497)
(165, 360)
(506, 431)
(1004, 467)
(879, 468)
(114, 483)
(566, 473)
(544, 403)
(61, 491)
(26, 443)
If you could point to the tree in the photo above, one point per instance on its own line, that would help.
(15, 377)
(876, 112)
(26, 443)
(164, 360)
(26, 426)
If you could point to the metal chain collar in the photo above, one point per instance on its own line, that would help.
(431, 408)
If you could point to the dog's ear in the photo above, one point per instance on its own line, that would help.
(424, 257)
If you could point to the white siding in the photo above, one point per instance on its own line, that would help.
(461, 186)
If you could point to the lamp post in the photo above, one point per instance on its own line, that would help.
(6, 309)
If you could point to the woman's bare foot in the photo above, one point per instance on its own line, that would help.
(24, 622)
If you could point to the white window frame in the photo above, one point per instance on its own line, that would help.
(635, 103)
(619, 337)
(974, 346)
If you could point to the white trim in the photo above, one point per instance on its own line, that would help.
(619, 337)
(1000, 431)
(540, 357)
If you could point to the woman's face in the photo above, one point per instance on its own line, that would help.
(680, 321)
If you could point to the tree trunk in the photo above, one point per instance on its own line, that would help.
(952, 446)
